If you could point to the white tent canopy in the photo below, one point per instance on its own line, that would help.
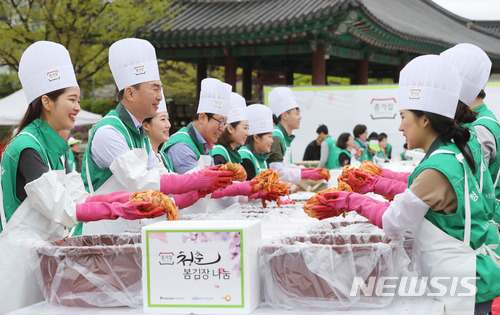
(13, 107)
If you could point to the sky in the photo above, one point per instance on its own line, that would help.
(473, 9)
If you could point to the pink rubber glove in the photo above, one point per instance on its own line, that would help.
(95, 211)
(311, 173)
(287, 202)
(117, 196)
(262, 194)
(399, 176)
(187, 199)
(208, 180)
(337, 201)
(386, 187)
(236, 189)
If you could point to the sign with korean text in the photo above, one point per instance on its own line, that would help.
(195, 268)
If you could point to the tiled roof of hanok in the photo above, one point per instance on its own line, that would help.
(417, 26)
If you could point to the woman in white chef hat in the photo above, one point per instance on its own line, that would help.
(157, 128)
(39, 195)
(255, 152)
(235, 134)
(442, 206)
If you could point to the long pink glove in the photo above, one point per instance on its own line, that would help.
(311, 173)
(399, 176)
(236, 189)
(208, 180)
(117, 196)
(95, 211)
(262, 194)
(187, 199)
(364, 205)
(380, 185)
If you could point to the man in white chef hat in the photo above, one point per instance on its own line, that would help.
(474, 67)
(188, 148)
(284, 106)
(119, 155)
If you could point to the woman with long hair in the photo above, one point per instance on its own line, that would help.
(41, 196)
(442, 206)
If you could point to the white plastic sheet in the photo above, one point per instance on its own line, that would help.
(91, 270)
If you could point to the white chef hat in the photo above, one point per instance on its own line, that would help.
(238, 111)
(430, 84)
(473, 66)
(214, 97)
(45, 67)
(281, 99)
(133, 61)
(260, 119)
(162, 106)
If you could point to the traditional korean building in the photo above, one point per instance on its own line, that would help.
(357, 39)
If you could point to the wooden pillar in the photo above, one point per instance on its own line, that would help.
(362, 71)
(247, 81)
(201, 73)
(289, 75)
(397, 70)
(319, 66)
(230, 71)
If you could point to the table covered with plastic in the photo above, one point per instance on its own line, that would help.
(305, 264)
(399, 305)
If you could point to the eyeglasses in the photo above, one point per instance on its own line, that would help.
(222, 124)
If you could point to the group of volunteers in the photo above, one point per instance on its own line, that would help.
(337, 153)
(449, 202)
(42, 197)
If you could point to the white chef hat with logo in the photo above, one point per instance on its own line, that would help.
(162, 107)
(238, 111)
(281, 99)
(133, 61)
(45, 67)
(214, 97)
(260, 119)
(430, 84)
(473, 66)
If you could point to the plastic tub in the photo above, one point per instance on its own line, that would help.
(92, 270)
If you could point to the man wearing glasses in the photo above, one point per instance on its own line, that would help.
(188, 148)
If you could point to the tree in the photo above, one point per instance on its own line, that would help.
(85, 27)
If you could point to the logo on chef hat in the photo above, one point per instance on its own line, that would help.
(53, 75)
(415, 94)
(217, 104)
(287, 101)
(139, 70)
(263, 124)
(236, 112)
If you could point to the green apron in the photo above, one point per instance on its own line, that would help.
(120, 119)
(38, 136)
(487, 119)
(258, 160)
(280, 132)
(366, 155)
(488, 286)
(228, 153)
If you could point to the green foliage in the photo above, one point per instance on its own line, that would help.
(179, 80)
(101, 107)
(86, 28)
(9, 83)
(306, 79)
